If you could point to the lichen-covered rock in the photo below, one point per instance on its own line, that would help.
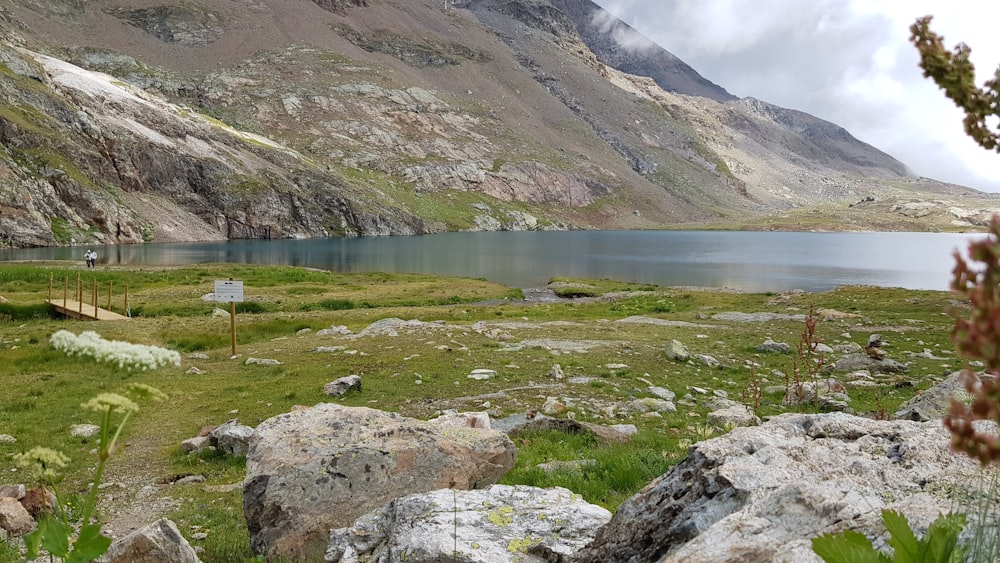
(760, 493)
(232, 438)
(322, 467)
(498, 524)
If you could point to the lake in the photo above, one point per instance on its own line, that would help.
(749, 261)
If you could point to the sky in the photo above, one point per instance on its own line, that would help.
(846, 61)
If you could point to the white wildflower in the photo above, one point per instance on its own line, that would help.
(115, 352)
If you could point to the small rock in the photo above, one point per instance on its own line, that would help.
(12, 491)
(14, 518)
(262, 362)
(771, 347)
(553, 406)
(677, 351)
(707, 360)
(84, 430)
(196, 444)
(556, 372)
(663, 393)
(7, 439)
(482, 373)
(342, 385)
(194, 371)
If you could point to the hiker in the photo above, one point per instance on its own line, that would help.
(93, 258)
(87, 258)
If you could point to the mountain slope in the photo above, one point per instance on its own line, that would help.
(178, 120)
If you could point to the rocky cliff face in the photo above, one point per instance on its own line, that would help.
(171, 120)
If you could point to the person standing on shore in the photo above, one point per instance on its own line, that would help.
(86, 258)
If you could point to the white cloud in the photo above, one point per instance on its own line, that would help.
(849, 62)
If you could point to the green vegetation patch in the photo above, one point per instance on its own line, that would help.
(422, 369)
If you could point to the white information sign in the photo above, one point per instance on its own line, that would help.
(229, 291)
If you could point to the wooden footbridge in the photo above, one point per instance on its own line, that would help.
(78, 309)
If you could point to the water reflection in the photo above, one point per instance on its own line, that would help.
(751, 261)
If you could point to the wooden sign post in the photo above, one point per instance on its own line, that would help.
(230, 291)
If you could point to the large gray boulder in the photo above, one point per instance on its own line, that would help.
(761, 493)
(935, 402)
(856, 362)
(498, 524)
(159, 541)
(319, 468)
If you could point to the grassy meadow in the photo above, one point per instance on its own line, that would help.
(418, 373)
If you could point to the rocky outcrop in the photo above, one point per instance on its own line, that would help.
(322, 467)
(497, 524)
(760, 493)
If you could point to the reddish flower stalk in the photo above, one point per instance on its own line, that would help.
(978, 338)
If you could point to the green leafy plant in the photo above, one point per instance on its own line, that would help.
(55, 533)
(940, 545)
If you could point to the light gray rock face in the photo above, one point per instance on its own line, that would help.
(232, 438)
(761, 493)
(319, 468)
(498, 524)
(159, 541)
(342, 385)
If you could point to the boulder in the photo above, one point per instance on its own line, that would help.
(760, 493)
(13, 491)
(604, 434)
(159, 541)
(737, 415)
(196, 444)
(342, 385)
(232, 438)
(322, 467)
(677, 351)
(855, 362)
(935, 402)
(499, 524)
(14, 518)
(38, 501)
(771, 347)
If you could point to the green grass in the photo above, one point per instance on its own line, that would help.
(42, 388)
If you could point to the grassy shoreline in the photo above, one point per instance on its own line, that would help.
(468, 324)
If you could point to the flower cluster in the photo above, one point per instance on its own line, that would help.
(123, 354)
(41, 462)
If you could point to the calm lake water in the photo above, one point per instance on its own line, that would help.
(751, 261)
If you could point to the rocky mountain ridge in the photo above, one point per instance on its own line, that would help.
(131, 121)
